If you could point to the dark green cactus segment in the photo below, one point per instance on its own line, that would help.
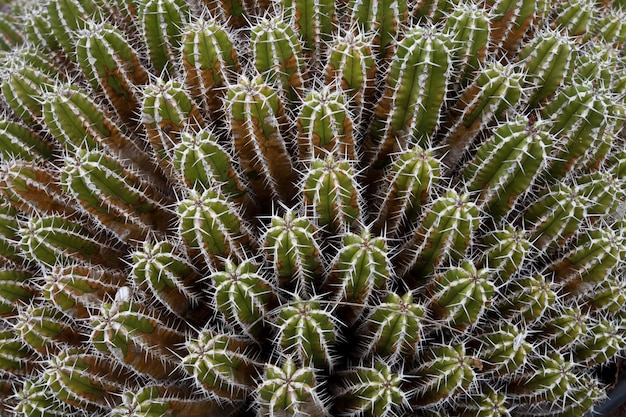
(46, 330)
(15, 356)
(290, 390)
(210, 61)
(16, 290)
(138, 337)
(221, 364)
(384, 18)
(212, 226)
(467, 28)
(314, 20)
(609, 296)
(432, 10)
(243, 296)
(526, 297)
(485, 403)
(18, 141)
(548, 377)
(510, 19)
(119, 199)
(545, 59)
(578, 115)
(37, 400)
(66, 17)
(325, 126)
(394, 327)
(574, 17)
(507, 164)
(495, 90)
(86, 380)
(78, 290)
(505, 252)
(444, 234)
(161, 23)
(292, 249)
(409, 110)
(375, 391)
(167, 275)
(564, 326)
(406, 189)
(555, 216)
(10, 252)
(610, 27)
(604, 193)
(351, 64)
(256, 122)
(503, 349)
(37, 30)
(111, 65)
(444, 372)
(53, 240)
(10, 35)
(331, 195)
(602, 341)
(308, 333)
(277, 54)
(461, 295)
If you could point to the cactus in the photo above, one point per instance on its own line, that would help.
(311, 207)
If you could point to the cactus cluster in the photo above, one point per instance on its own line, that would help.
(311, 207)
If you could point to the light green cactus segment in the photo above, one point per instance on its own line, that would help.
(277, 54)
(461, 295)
(155, 400)
(117, 198)
(294, 252)
(495, 90)
(574, 17)
(33, 188)
(85, 380)
(9, 247)
(594, 258)
(138, 337)
(592, 64)
(603, 192)
(382, 17)
(314, 20)
(79, 290)
(507, 164)
(289, 390)
(37, 29)
(578, 115)
(444, 234)
(221, 364)
(394, 327)
(331, 195)
(487, 402)
(15, 356)
(527, 297)
(510, 19)
(256, 117)
(545, 59)
(307, 332)
(161, 24)
(443, 372)
(503, 349)
(10, 35)
(167, 110)
(608, 296)
(212, 226)
(409, 110)
(66, 17)
(167, 275)
(20, 142)
(55, 240)
(610, 27)
(372, 390)
(243, 296)
(433, 10)
(467, 28)
(204, 163)
(210, 60)
(35, 399)
(505, 252)
(407, 188)
(46, 330)
(16, 290)
(598, 151)
(602, 341)
(564, 326)
(111, 65)
(555, 216)
(351, 64)
(549, 377)
(325, 126)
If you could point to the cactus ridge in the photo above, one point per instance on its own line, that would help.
(311, 207)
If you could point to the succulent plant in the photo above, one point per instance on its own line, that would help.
(311, 208)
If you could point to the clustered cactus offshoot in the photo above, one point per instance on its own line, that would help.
(311, 207)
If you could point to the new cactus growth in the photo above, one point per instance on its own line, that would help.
(312, 208)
